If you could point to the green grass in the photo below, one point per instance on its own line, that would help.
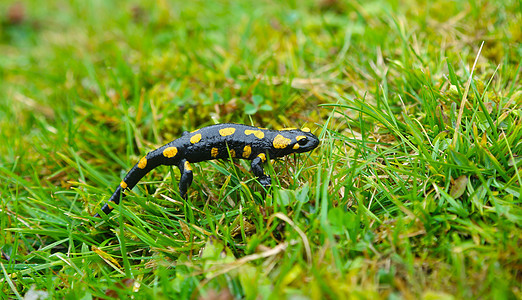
(413, 193)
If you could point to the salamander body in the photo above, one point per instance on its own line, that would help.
(219, 141)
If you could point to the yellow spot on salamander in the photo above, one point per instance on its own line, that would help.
(280, 142)
(296, 146)
(247, 151)
(227, 131)
(214, 152)
(262, 156)
(232, 153)
(305, 129)
(188, 166)
(142, 163)
(195, 138)
(110, 206)
(258, 133)
(123, 184)
(170, 152)
(291, 128)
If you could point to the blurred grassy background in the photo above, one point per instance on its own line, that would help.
(413, 193)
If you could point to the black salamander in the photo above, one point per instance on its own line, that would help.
(219, 141)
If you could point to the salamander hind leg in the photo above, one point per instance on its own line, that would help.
(257, 169)
(186, 177)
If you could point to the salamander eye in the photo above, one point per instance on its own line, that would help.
(303, 141)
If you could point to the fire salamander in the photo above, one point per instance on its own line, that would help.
(219, 141)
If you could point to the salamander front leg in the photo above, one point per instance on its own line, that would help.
(186, 177)
(257, 169)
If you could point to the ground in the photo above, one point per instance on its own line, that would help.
(414, 191)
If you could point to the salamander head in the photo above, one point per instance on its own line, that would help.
(304, 141)
(293, 140)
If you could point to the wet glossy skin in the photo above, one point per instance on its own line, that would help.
(219, 141)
